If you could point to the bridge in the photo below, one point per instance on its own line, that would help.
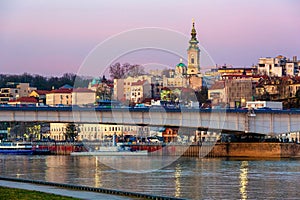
(270, 122)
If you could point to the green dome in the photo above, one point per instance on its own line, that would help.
(181, 65)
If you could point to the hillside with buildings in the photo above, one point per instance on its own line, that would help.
(271, 79)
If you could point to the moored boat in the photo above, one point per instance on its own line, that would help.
(111, 151)
(16, 148)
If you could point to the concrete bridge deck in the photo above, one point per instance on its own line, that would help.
(271, 122)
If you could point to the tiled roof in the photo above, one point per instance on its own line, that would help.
(25, 99)
(61, 91)
(139, 82)
(82, 90)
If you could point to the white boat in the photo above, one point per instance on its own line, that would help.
(16, 148)
(111, 151)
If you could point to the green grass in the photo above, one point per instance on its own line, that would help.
(20, 194)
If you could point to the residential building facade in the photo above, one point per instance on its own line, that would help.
(59, 97)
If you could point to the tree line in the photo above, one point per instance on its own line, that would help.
(44, 83)
(116, 70)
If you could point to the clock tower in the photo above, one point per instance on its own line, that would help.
(193, 52)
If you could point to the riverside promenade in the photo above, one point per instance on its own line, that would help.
(61, 191)
(75, 191)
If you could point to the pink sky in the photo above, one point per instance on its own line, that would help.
(54, 37)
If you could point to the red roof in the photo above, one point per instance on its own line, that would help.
(25, 99)
(82, 90)
(139, 82)
(61, 91)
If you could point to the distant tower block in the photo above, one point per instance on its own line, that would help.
(193, 54)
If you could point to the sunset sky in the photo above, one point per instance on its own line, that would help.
(54, 37)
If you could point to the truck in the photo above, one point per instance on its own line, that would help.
(275, 105)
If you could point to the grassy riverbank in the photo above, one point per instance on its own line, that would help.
(20, 194)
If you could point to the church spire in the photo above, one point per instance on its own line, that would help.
(193, 32)
(193, 53)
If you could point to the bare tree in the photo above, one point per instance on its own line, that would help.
(118, 71)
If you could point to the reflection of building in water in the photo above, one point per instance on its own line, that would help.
(244, 179)
(56, 165)
(177, 180)
(96, 131)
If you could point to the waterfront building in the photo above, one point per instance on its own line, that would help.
(239, 91)
(7, 94)
(103, 89)
(236, 72)
(24, 89)
(83, 96)
(278, 66)
(59, 97)
(15, 90)
(284, 89)
(97, 132)
(217, 93)
(140, 90)
(170, 134)
(232, 92)
(122, 87)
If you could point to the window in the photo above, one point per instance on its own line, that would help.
(192, 60)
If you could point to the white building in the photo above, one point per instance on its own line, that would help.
(140, 90)
(278, 66)
(59, 96)
(122, 87)
(14, 92)
(97, 132)
(83, 96)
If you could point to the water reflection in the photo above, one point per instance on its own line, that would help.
(188, 178)
(136, 164)
(243, 179)
(177, 180)
(97, 174)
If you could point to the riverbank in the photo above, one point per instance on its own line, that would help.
(254, 149)
(23, 194)
(75, 191)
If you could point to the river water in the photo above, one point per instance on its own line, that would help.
(190, 178)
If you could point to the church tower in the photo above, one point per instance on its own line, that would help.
(193, 54)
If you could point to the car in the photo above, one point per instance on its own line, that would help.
(264, 108)
(154, 139)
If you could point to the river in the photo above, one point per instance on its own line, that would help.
(190, 178)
